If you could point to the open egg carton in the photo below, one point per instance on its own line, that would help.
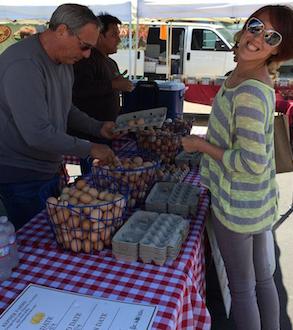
(140, 120)
(176, 198)
(172, 172)
(150, 237)
(191, 159)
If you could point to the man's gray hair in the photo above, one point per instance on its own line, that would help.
(74, 16)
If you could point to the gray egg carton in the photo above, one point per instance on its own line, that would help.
(179, 198)
(184, 199)
(157, 237)
(178, 176)
(190, 159)
(151, 118)
(126, 240)
(158, 197)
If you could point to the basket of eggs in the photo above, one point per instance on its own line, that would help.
(137, 170)
(85, 214)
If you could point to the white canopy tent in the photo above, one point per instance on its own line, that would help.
(187, 9)
(43, 9)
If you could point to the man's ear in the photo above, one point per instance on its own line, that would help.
(62, 30)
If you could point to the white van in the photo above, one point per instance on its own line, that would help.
(198, 49)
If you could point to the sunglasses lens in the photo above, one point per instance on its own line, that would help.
(255, 26)
(273, 38)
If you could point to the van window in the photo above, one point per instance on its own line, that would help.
(203, 39)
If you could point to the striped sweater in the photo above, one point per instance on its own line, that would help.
(243, 187)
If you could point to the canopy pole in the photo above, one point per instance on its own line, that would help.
(130, 49)
(136, 42)
(167, 51)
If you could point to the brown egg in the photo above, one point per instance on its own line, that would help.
(99, 245)
(108, 217)
(87, 210)
(77, 194)
(75, 245)
(86, 225)
(105, 234)
(72, 200)
(73, 221)
(52, 202)
(96, 214)
(87, 246)
(61, 216)
(131, 123)
(86, 198)
(86, 188)
(78, 233)
(93, 236)
(80, 184)
(66, 236)
(108, 242)
(117, 212)
(140, 121)
(93, 192)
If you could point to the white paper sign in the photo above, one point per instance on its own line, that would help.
(42, 308)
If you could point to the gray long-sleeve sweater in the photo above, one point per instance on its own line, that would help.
(36, 110)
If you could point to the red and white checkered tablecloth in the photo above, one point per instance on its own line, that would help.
(191, 259)
(178, 287)
(179, 305)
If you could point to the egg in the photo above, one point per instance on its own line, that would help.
(94, 236)
(86, 225)
(73, 221)
(106, 233)
(140, 121)
(86, 246)
(99, 245)
(77, 194)
(86, 188)
(72, 201)
(93, 192)
(96, 214)
(80, 184)
(86, 198)
(52, 202)
(66, 236)
(75, 245)
(131, 123)
(65, 190)
(117, 212)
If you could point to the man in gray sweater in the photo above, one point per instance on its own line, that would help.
(36, 79)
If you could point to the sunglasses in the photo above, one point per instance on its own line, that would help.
(84, 46)
(256, 27)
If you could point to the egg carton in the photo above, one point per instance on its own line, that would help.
(178, 176)
(178, 198)
(183, 199)
(125, 243)
(190, 159)
(140, 120)
(162, 238)
(158, 197)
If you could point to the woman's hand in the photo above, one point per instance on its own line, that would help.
(192, 143)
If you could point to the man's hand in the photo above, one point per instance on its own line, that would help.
(122, 84)
(103, 153)
(107, 130)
